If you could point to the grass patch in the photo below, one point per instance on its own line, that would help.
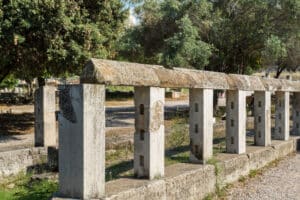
(23, 187)
(179, 134)
(119, 89)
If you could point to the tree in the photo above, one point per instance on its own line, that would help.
(239, 31)
(39, 38)
(236, 35)
(285, 39)
(170, 33)
(185, 49)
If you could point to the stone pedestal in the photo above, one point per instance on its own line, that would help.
(45, 132)
(82, 142)
(262, 118)
(149, 132)
(296, 114)
(236, 121)
(282, 116)
(201, 125)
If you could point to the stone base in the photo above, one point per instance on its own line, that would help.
(16, 161)
(194, 181)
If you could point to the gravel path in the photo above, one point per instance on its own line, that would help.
(280, 182)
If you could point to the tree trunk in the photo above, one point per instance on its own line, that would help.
(279, 71)
(41, 81)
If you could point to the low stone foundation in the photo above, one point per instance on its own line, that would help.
(16, 161)
(196, 181)
(181, 181)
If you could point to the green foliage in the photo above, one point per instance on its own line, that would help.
(229, 36)
(9, 82)
(184, 49)
(169, 34)
(27, 189)
(39, 38)
(274, 50)
(179, 134)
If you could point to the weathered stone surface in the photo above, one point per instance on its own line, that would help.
(262, 118)
(149, 132)
(82, 142)
(296, 114)
(45, 132)
(109, 72)
(243, 82)
(236, 121)
(231, 166)
(13, 162)
(282, 116)
(193, 181)
(201, 125)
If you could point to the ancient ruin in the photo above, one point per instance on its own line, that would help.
(82, 121)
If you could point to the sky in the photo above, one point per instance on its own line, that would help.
(132, 17)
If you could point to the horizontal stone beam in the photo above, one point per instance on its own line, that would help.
(109, 72)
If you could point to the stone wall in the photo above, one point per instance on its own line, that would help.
(16, 161)
(192, 181)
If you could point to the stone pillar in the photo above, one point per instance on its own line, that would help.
(201, 125)
(45, 132)
(262, 118)
(82, 142)
(236, 121)
(149, 132)
(296, 113)
(282, 116)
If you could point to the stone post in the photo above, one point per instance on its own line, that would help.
(149, 132)
(262, 118)
(236, 121)
(296, 113)
(45, 132)
(201, 125)
(282, 116)
(82, 142)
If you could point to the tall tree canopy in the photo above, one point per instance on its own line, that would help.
(233, 36)
(170, 33)
(52, 37)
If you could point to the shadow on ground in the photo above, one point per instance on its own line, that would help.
(14, 124)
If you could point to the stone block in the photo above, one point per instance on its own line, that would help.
(236, 121)
(82, 142)
(282, 116)
(201, 125)
(45, 132)
(149, 132)
(262, 118)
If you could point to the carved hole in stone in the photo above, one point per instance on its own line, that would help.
(297, 113)
(259, 119)
(279, 129)
(142, 135)
(279, 116)
(196, 128)
(196, 107)
(297, 125)
(232, 123)
(142, 161)
(142, 109)
(232, 105)
(232, 140)
(259, 104)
